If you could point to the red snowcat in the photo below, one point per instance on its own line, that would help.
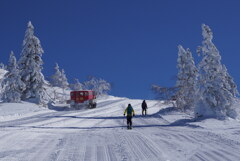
(80, 99)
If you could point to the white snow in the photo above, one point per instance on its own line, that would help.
(39, 134)
(11, 111)
(2, 73)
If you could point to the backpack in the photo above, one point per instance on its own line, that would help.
(129, 110)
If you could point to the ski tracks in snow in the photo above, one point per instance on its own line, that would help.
(184, 142)
(132, 145)
(24, 146)
(194, 145)
(109, 145)
(98, 135)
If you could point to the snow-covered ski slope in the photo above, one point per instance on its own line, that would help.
(100, 134)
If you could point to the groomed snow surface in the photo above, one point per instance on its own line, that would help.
(32, 133)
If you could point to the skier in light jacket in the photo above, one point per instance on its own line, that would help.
(130, 113)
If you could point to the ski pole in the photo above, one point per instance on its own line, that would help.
(123, 121)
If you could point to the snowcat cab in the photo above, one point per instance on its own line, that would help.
(86, 98)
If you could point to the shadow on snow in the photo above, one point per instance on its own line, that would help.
(179, 123)
(165, 111)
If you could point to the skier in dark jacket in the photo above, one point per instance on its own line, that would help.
(144, 107)
(130, 113)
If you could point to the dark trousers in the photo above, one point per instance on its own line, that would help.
(144, 110)
(129, 120)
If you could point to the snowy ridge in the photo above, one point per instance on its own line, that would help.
(100, 134)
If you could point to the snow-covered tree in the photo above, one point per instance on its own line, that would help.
(186, 79)
(103, 87)
(230, 84)
(64, 81)
(77, 86)
(167, 95)
(56, 77)
(2, 66)
(59, 78)
(30, 65)
(100, 86)
(12, 83)
(64, 85)
(216, 88)
(90, 84)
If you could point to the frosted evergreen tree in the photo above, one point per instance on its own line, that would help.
(64, 82)
(230, 84)
(103, 87)
(56, 78)
(12, 84)
(91, 84)
(217, 89)
(186, 79)
(2, 66)
(64, 85)
(77, 86)
(59, 78)
(100, 86)
(30, 65)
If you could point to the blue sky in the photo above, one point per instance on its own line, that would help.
(130, 43)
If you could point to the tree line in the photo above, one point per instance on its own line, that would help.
(206, 89)
(24, 79)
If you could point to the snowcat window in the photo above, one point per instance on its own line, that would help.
(81, 93)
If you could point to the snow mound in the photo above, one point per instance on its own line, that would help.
(11, 111)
